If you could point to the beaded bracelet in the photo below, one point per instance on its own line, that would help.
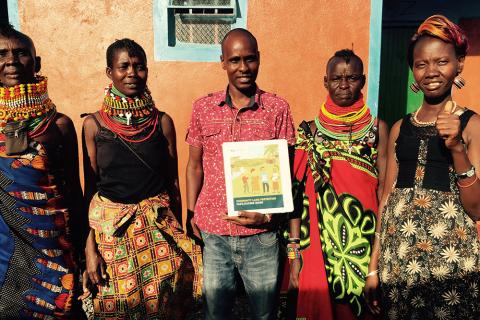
(293, 253)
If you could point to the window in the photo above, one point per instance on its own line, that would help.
(9, 13)
(201, 21)
(191, 30)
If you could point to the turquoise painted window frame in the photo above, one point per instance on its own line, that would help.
(374, 53)
(12, 7)
(183, 51)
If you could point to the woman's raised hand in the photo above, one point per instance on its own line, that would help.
(448, 126)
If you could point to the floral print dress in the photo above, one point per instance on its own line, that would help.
(429, 261)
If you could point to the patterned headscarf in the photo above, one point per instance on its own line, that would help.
(440, 27)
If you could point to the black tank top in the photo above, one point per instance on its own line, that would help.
(438, 160)
(123, 177)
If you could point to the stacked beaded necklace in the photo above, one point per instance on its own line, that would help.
(27, 102)
(127, 117)
(344, 123)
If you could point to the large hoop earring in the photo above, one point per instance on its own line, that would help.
(459, 82)
(414, 87)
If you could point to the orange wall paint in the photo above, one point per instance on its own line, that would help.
(295, 38)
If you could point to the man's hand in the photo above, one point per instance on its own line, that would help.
(248, 219)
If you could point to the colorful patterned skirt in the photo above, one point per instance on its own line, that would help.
(154, 269)
(38, 273)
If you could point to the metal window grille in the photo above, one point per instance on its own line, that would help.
(200, 3)
(201, 21)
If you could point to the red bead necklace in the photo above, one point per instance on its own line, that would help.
(127, 131)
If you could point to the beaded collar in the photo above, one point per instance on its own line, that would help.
(344, 123)
(123, 108)
(128, 117)
(25, 101)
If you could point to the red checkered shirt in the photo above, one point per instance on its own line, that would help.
(214, 122)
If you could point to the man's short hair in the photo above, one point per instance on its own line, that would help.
(346, 55)
(133, 49)
(240, 30)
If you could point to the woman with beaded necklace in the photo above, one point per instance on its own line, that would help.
(426, 256)
(40, 194)
(138, 258)
(339, 168)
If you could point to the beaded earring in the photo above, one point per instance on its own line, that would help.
(459, 82)
(414, 87)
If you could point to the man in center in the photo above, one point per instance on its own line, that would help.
(247, 243)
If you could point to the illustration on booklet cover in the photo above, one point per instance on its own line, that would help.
(257, 176)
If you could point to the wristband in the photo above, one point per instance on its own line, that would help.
(467, 174)
(293, 240)
(468, 185)
(371, 273)
(293, 252)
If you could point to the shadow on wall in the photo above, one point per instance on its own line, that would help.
(395, 74)
(472, 29)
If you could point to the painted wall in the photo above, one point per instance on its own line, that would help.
(295, 38)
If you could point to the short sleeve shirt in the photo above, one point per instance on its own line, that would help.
(213, 122)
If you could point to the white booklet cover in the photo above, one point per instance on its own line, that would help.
(257, 176)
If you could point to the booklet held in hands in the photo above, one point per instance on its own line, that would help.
(257, 176)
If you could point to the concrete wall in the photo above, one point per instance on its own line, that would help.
(295, 39)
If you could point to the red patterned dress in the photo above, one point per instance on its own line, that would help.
(335, 190)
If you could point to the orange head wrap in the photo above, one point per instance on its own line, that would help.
(440, 27)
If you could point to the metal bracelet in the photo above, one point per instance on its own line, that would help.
(467, 174)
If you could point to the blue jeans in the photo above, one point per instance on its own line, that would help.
(257, 260)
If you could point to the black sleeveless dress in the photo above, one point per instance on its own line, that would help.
(429, 262)
(123, 178)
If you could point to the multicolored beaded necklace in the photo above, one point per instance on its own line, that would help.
(27, 102)
(344, 123)
(128, 117)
